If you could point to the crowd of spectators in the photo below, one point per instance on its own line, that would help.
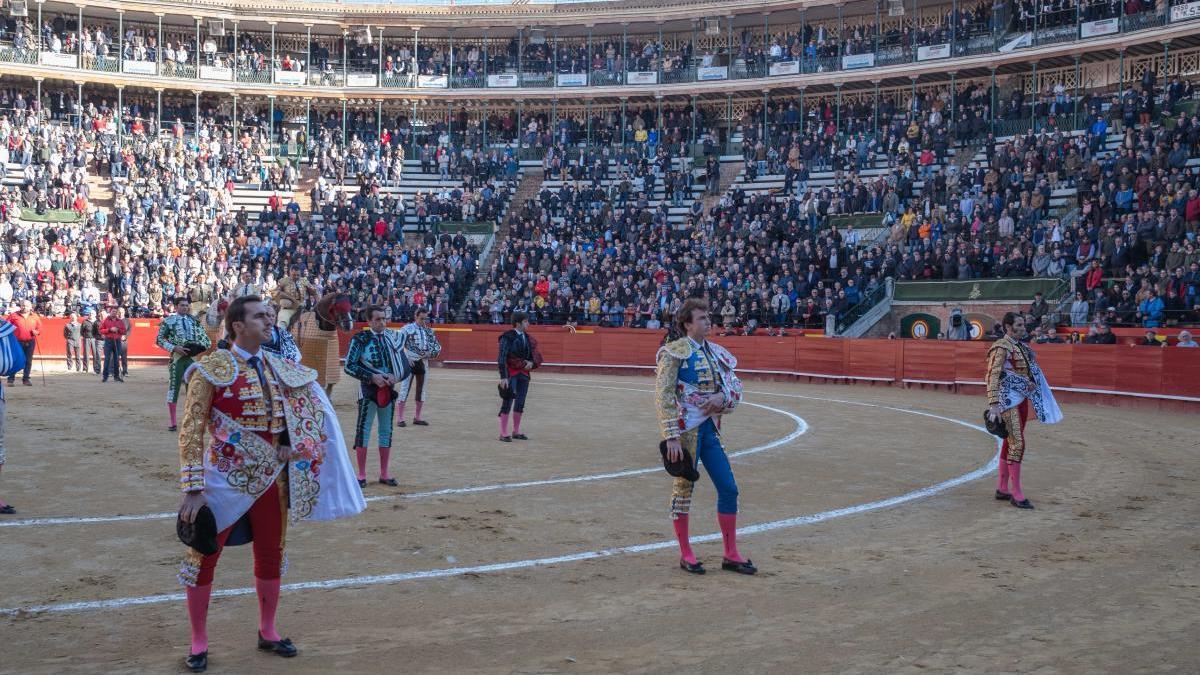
(1112, 210)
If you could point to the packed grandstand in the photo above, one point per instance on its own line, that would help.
(588, 165)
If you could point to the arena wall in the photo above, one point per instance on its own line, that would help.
(1122, 374)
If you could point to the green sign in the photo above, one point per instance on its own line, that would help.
(978, 290)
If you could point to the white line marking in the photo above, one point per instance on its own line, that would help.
(375, 580)
(800, 429)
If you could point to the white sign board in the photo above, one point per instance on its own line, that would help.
(784, 68)
(641, 77)
(852, 61)
(433, 81)
(1089, 29)
(1185, 12)
(503, 80)
(56, 59)
(705, 73)
(362, 80)
(933, 52)
(572, 79)
(216, 73)
(141, 67)
(289, 77)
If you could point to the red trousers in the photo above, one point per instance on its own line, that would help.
(266, 523)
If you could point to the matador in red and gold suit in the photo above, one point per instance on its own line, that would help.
(275, 453)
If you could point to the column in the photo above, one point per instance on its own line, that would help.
(485, 124)
(120, 102)
(587, 106)
(766, 42)
(235, 52)
(273, 53)
(729, 125)
(837, 109)
(695, 117)
(1075, 103)
(235, 122)
(157, 52)
(80, 31)
(953, 98)
(307, 123)
(345, 59)
(79, 104)
(520, 114)
(379, 75)
(878, 28)
(345, 122)
(308, 65)
(659, 51)
(271, 124)
(196, 114)
(120, 37)
(157, 110)
(520, 55)
(196, 55)
(379, 124)
(624, 56)
(992, 107)
(765, 101)
(875, 119)
(1033, 87)
(450, 72)
(415, 60)
(624, 103)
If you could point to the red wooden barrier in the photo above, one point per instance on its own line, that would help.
(1159, 373)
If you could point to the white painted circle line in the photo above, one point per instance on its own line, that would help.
(375, 580)
(800, 429)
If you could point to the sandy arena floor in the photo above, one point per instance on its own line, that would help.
(1104, 577)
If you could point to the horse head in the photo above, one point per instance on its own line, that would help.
(334, 311)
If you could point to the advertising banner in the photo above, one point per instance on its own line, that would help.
(572, 79)
(289, 77)
(784, 68)
(503, 80)
(706, 73)
(56, 59)
(362, 80)
(1089, 29)
(141, 67)
(642, 77)
(852, 61)
(933, 52)
(1185, 12)
(216, 73)
(433, 81)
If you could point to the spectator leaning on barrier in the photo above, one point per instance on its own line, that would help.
(1185, 339)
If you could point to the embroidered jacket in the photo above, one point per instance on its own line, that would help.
(1005, 353)
(226, 397)
(180, 330)
(688, 373)
(282, 345)
(419, 342)
(372, 353)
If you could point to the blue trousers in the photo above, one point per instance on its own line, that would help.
(368, 411)
(711, 454)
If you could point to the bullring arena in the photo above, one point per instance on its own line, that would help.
(907, 221)
(867, 508)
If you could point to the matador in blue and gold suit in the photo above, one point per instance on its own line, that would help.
(688, 373)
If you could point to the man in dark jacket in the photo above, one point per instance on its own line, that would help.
(517, 357)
